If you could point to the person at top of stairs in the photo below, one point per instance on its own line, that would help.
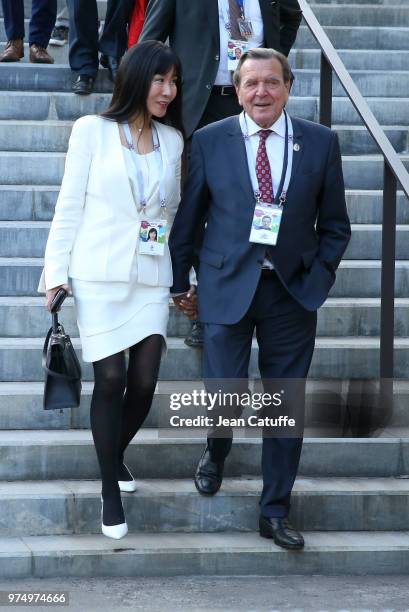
(42, 21)
(84, 43)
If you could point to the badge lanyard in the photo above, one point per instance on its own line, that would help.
(281, 195)
(139, 175)
(226, 14)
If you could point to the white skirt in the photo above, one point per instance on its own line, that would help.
(113, 316)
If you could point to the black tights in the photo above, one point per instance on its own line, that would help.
(120, 403)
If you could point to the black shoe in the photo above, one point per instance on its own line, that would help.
(195, 338)
(280, 530)
(111, 63)
(59, 36)
(209, 474)
(83, 86)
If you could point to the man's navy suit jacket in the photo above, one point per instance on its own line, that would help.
(314, 231)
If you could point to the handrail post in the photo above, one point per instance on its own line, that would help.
(388, 273)
(325, 92)
(386, 359)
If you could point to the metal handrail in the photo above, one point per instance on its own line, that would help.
(394, 171)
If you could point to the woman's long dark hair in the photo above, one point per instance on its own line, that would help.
(132, 85)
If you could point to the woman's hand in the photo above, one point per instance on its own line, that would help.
(51, 293)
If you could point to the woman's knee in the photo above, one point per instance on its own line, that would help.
(111, 380)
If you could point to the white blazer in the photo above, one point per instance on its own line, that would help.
(95, 229)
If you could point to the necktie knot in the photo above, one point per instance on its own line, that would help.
(264, 134)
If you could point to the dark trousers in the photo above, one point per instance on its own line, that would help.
(285, 334)
(43, 15)
(84, 43)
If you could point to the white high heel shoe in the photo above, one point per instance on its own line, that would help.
(127, 486)
(113, 531)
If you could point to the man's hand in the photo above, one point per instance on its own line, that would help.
(51, 293)
(187, 303)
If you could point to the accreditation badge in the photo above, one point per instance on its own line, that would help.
(235, 50)
(246, 28)
(266, 224)
(153, 237)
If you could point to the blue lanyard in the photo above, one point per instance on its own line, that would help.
(139, 175)
(281, 195)
(226, 18)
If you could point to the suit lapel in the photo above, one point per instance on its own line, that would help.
(237, 157)
(298, 148)
(120, 191)
(212, 12)
(270, 16)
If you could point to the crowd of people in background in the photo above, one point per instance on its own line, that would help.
(91, 43)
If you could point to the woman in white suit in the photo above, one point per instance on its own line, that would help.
(122, 174)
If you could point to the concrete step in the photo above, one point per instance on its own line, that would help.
(174, 506)
(376, 37)
(21, 406)
(38, 106)
(334, 358)
(27, 317)
(37, 203)
(60, 54)
(20, 168)
(355, 278)
(363, 15)
(37, 77)
(60, 455)
(354, 59)
(52, 136)
(337, 553)
(28, 239)
(364, 37)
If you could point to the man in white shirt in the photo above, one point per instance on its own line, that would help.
(253, 278)
(199, 32)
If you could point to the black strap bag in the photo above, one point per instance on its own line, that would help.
(62, 388)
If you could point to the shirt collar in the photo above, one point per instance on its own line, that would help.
(278, 127)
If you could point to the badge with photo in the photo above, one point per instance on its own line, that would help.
(235, 50)
(152, 237)
(266, 224)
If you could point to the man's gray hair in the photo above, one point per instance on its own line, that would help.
(263, 54)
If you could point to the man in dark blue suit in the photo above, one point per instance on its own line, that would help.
(237, 165)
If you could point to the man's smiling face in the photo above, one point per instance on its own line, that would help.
(262, 91)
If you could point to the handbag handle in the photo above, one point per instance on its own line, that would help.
(53, 330)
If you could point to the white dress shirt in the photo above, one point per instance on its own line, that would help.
(275, 145)
(252, 11)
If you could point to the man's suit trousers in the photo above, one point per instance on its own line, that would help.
(84, 44)
(42, 21)
(285, 334)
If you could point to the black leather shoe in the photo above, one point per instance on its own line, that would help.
(280, 530)
(195, 338)
(209, 474)
(111, 63)
(83, 85)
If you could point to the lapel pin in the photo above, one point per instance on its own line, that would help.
(296, 147)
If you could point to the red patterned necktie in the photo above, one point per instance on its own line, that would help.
(263, 169)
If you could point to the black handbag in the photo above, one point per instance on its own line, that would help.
(62, 388)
